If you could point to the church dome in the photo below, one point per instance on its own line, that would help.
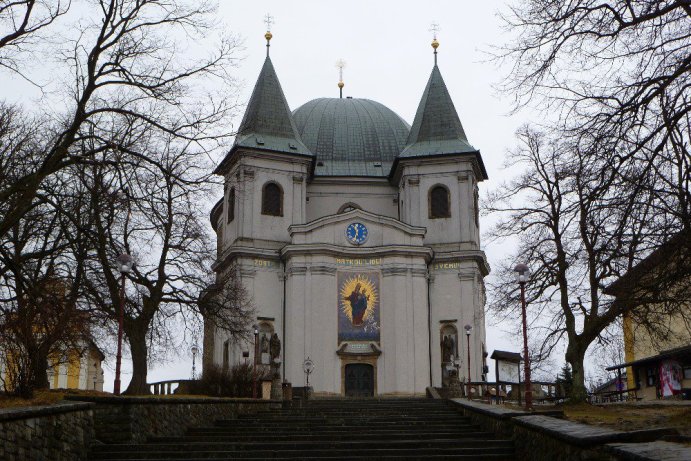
(351, 137)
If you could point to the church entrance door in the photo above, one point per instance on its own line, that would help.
(359, 380)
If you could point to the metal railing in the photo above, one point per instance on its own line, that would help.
(543, 391)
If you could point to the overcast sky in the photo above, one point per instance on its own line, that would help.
(386, 45)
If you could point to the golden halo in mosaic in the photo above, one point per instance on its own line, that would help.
(366, 287)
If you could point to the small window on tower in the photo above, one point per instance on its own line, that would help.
(272, 200)
(439, 202)
(231, 205)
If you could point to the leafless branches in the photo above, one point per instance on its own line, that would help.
(579, 233)
(129, 73)
(617, 74)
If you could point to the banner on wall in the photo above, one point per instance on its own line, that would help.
(670, 378)
(358, 306)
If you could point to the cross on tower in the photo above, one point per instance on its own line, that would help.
(268, 19)
(434, 28)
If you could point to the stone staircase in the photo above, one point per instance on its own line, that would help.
(368, 429)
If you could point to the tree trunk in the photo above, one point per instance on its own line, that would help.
(136, 336)
(575, 355)
(39, 372)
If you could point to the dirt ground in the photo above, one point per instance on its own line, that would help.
(44, 397)
(631, 417)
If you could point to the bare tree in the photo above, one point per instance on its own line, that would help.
(42, 317)
(128, 70)
(21, 22)
(616, 74)
(579, 234)
(152, 206)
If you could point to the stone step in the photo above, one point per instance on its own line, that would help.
(340, 419)
(348, 411)
(366, 457)
(307, 445)
(332, 435)
(366, 453)
(362, 418)
(449, 414)
(229, 429)
(354, 428)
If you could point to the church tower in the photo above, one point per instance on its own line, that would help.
(437, 175)
(265, 176)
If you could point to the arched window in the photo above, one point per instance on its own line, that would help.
(350, 206)
(272, 199)
(439, 206)
(231, 205)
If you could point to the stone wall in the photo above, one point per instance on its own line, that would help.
(134, 419)
(545, 436)
(49, 433)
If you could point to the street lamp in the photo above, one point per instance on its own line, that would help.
(522, 275)
(468, 329)
(194, 350)
(254, 368)
(308, 368)
(125, 264)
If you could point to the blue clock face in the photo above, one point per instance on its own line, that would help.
(356, 233)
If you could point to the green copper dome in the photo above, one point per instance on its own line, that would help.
(351, 137)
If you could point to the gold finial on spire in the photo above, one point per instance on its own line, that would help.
(434, 28)
(340, 64)
(268, 19)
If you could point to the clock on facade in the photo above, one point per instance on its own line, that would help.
(356, 233)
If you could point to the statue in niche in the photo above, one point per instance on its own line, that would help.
(446, 349)
(275, 347)
(264, 344)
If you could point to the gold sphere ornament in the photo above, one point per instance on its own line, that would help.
(268, 35)
(341, 84)
(435, 44)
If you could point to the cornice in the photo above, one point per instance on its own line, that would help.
(349, 216)
(328, 249)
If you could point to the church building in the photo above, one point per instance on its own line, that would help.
(357, 236)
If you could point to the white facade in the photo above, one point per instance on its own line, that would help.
(424, 273)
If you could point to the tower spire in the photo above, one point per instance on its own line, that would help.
(434, 28)
(340, 64)
(268, 19)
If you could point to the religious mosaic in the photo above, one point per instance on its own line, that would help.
(358, 306)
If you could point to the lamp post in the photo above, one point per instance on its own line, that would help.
(194, 350)
(468, 329)
(254, 368)
(522, 276)
(308, 368)
(125, 264)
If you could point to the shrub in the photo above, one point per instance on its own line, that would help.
(236, 382)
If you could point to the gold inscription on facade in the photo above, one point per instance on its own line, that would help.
(358, 262)
(264, 263)
(446, 266)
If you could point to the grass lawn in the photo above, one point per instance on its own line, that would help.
(43, 397)
(631, 417)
